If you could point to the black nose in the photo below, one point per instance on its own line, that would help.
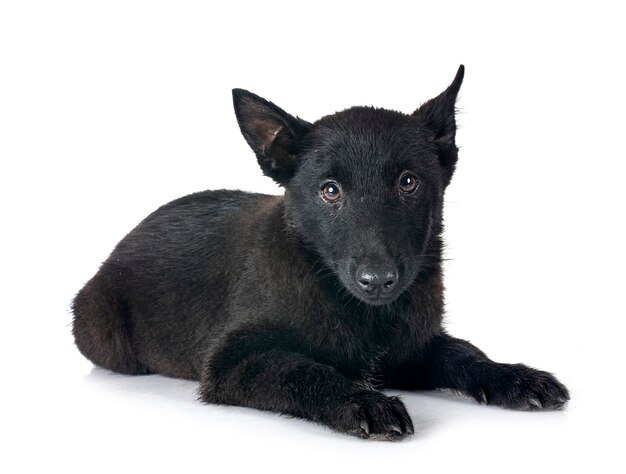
(374, 279)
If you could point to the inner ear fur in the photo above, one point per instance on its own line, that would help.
(273, 134)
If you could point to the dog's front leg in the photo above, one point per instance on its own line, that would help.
(456, 364)
(260, 369)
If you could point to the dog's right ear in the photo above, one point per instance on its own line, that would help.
(272, 133)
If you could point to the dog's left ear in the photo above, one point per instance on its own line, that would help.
(437, 117)
(272, 133)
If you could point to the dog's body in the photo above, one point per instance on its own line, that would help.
(305, 304)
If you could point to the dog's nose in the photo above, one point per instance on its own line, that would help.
(374, 279)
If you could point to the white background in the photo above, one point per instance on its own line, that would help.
(110, 109)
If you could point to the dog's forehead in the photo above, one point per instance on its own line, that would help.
(367, 140)
(361, 122)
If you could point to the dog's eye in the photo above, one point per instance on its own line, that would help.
(331, 191)
(408, 183)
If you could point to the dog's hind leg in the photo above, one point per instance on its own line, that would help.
(102, 328)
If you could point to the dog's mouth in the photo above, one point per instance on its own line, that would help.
(375, 300)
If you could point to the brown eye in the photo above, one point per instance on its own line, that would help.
(331, 192)
(408, 183)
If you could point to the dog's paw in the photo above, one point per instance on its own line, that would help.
(372, 415)
(521, 387)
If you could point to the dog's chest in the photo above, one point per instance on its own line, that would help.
(359, 348)
(364, 345)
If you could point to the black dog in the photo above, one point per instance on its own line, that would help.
(307, 303)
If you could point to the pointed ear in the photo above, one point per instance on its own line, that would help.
(272, 133)
(437, 117)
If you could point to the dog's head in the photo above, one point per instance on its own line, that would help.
(364, 187)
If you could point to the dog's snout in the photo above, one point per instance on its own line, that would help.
(376, 279)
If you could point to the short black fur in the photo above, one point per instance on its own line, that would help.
(309, 303)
